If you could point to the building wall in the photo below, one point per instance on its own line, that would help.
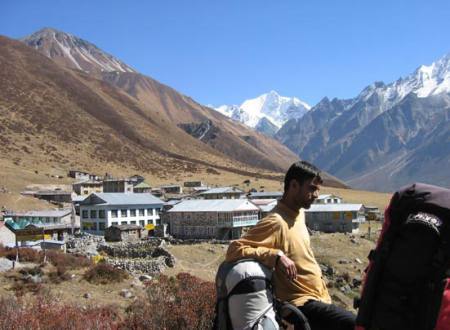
(117, 186)
(7, 237)
(98, 218)
(85, 190)
(331, 222)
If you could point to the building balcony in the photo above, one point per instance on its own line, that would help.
(239, 221)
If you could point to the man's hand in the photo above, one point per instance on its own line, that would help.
(287, 266)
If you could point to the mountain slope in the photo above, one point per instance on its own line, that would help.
(234, 140)
(385, 137)
(224, 145)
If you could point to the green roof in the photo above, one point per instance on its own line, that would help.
(142, 185)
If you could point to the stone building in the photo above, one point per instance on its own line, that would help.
(118, 233)
(220, 219)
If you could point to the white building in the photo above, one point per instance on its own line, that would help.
(101, 210)
(328, 199)
(212, 218)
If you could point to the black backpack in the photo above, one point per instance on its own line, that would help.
(407, 282)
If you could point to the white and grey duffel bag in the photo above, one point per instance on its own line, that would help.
(244, 297)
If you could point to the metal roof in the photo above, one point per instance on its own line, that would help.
(121, 199)
(214, 205)
(42, 213)
(266, 194)
(222, 190)
(339, 207)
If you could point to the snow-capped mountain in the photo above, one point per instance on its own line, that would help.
(71, 51)
(385, 137)
(426, 81)
(271, 107)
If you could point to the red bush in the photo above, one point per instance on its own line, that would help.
(182, 303)
(44, 313)
(103, 273)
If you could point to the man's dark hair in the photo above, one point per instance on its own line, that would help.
(301, 171)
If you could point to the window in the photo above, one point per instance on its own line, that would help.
(101, 226)
(85, 214)
(101, 214)
(158, 221)
(132, 222)
(149, 222)
(114, 223)
(113, 213)
(85, 192)
(141, 212)
(93, 214)
(123, 213)
(123, 223)
(149, 212)
(132, 213)
(142, 223)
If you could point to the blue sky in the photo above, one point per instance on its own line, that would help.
(223, 52)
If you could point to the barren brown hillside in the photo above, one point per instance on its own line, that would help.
(64, 115)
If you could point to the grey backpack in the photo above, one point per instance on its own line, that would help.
(244, 297)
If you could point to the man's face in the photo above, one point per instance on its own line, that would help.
(305, 194)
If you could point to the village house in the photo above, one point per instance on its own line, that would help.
(87, 187)
(102, 210)
(82, 176)
(265, 195)
(335, 217)
(56, 225)
(111, 185)
(142, 187)
(328, 199)
(222, 193)
(119, 233)
(172, 189)
(194, 184)
(7, 236)
(265, 206)
(55, 196)
(136, 179)
(220, 219)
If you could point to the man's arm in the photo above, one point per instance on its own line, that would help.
(261, 242)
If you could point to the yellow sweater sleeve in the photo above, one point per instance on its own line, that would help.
(261, 242)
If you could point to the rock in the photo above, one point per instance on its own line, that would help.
(87, 295)
(354, 241)
(346, 288)
(73, 276)
(358, 261)
(343, 261)
(356, 282)
(126, 293)
(36, 279)
(144, 278)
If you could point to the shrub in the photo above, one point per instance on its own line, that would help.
(184, 302)
(103, 273)
(67, 261)
(25, 254)
(44, 312)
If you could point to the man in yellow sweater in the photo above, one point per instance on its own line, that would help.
(281, 241)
